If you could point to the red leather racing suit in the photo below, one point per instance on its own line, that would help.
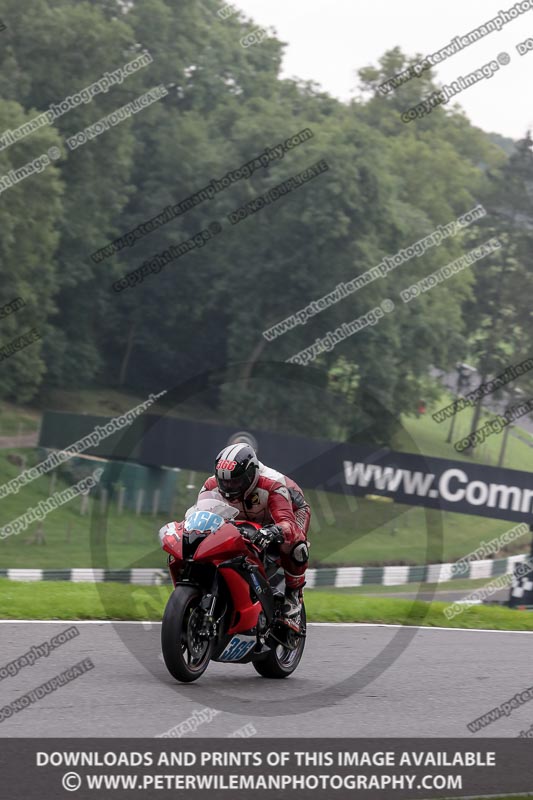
(277, 500)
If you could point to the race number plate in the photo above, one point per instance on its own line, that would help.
(237, 648)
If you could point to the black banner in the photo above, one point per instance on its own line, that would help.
(319, 769)
(418, 480)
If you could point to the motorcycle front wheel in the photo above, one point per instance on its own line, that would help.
(186, 655)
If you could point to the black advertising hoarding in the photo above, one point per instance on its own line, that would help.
(412, 479)
(418, 480)
(193, 445)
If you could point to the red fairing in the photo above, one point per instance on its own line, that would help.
(171, 539)
(225, 543)
(248, 612)
(171, 542)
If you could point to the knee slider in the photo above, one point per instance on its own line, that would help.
(300, 553)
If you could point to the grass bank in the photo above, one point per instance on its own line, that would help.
(60, 600)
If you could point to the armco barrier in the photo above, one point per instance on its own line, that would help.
(316, 578)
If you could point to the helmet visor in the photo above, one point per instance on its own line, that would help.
(234, 487)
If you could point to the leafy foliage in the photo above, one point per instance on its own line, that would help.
(388, 185)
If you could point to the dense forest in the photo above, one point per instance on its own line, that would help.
(213, 103)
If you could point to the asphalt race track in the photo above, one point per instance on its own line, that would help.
(354, 680)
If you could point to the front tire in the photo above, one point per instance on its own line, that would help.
(281, 662)
(186, 656)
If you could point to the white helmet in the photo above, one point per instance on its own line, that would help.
(236, 471)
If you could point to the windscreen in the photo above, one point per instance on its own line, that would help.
(209, 513)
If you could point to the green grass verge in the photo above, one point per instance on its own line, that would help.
(430, 438)
(326, 607)
(15, 421)
(61, 600)
(109, 401)
(459, 585)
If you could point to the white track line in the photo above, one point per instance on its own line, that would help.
(310, 624)
(416, 627)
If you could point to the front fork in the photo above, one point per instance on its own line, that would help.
(208, 626)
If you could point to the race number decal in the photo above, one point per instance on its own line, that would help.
(225, 464)
(237, 648)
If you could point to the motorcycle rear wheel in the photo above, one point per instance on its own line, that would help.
(186, 656)
(280, 661)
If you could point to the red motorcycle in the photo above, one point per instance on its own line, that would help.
(226, 603)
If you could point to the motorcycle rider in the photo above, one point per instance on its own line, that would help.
(277, 503)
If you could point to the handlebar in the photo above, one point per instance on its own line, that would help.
(263, 537)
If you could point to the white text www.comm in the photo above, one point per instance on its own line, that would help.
(452, 486)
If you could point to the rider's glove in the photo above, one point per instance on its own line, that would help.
(264, 536)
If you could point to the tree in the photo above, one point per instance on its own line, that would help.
(500, 317)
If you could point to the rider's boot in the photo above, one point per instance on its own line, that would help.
(292, 608)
